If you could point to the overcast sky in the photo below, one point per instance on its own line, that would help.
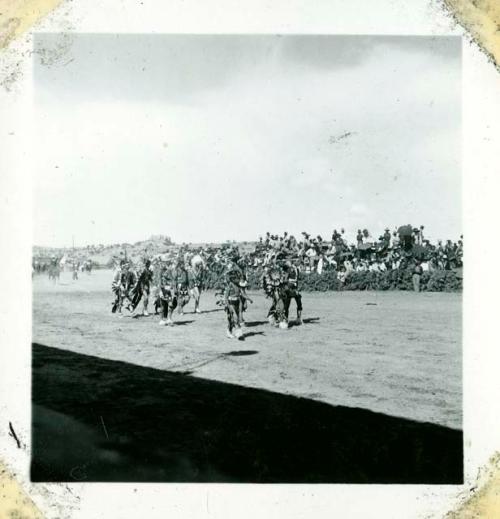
(208, 138)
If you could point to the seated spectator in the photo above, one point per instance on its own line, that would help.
(396, 263)
(312, 256)
(342, 275)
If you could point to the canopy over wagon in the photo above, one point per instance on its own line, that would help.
(405, 230)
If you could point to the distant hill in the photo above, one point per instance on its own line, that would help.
(102, 255)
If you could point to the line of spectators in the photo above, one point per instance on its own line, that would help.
(401, 248)
(389, 251)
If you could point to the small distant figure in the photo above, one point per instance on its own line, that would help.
(386, 238)
(54, 269)
(88, 267)
(75, 270)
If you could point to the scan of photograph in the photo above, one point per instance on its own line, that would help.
(247, 259)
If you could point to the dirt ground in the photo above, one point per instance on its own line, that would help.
(396, 353)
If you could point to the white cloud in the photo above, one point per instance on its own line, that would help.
(255, 152)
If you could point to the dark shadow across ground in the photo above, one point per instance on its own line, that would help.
(101, 420)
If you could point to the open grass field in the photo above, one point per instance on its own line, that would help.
(368, 389)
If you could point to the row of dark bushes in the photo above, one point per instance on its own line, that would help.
(433, 281)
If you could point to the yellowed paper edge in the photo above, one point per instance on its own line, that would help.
(481, 19)
(14, 502)
(484, 500)
(18, 16)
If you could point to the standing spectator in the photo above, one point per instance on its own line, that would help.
(319, 266)
(416, 236)
(386, 238)
(312, 257)
(421, 234)
(459, 253)
(76, 266)
(359, 238)
(417, 273)
(450, 255)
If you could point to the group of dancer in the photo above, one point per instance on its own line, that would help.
(173, 281)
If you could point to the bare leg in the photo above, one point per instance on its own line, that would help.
(196, 295)
(243, 308)
(183, 301)
(237, 313)
(230, 318)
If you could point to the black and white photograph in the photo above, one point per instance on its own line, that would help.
(247, 259)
